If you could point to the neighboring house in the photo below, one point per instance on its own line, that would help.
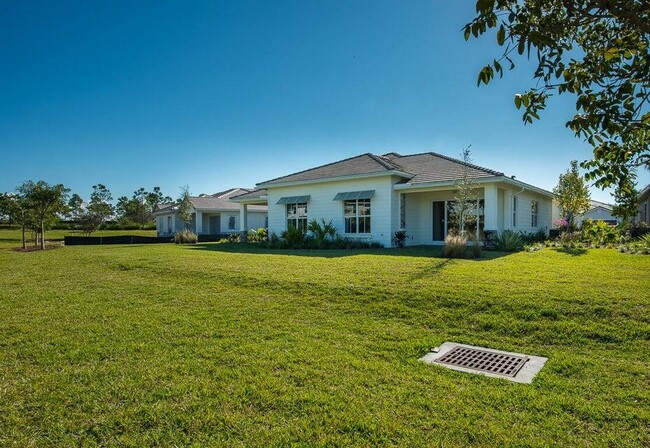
(598, 211)
(370, 197)
(644, 205)
(211, 215)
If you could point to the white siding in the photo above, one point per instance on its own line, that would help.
(419, 215)
(322, 205)
(525, 198)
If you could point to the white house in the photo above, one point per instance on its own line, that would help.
(371, 197)
(211, 215)
(598, 211)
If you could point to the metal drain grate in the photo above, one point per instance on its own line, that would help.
(483, 361)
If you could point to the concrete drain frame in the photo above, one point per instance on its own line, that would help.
(510, 366)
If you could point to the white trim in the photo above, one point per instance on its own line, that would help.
(481, 180)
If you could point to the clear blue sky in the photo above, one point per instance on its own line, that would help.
(219, 94)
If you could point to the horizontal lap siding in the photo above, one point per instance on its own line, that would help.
(524, 212)
(322, 205)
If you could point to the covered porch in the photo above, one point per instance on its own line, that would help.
(429, 214)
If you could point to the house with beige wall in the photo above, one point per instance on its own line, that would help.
(370, 197)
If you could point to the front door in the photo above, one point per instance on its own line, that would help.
(438, 221)
(215, 225)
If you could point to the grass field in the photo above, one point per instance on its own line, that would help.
(214, 345)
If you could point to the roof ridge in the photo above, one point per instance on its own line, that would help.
(452, 159)
(372, 156)
(391, 163)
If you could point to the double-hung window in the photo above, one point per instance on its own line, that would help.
(515, 200)
(534, 208)
(297, 216)
(357, 216)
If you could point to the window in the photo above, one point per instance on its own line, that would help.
(402, 211)
(357, 216)
(231, 223)
(534, 207)
(514, 211)
(297, 216)
(169, 224)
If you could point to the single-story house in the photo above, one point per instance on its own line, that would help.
(644, 205)
(211, 215)
(598, 211)
(371, 197)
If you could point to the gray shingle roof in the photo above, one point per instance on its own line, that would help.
(216, 202)
(253, 194)
(415, 168)
(362, 164)
(433, 167)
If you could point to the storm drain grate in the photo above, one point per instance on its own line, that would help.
(483, 361)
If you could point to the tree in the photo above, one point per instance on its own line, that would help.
(75, 207)
(627, 202)
(596, 50)
(184, 211)
(99, 209)
(45, 201)
(465, 196)
(15, 207)
(139, 209)
(572, 194)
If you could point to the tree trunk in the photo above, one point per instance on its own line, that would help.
(24, 241)
(42, 235)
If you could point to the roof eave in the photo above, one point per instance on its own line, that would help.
(479, 180)
(337, 178)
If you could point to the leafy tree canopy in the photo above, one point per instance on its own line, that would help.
(572, 194)
(596, 50)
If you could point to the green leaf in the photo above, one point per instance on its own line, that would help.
(501, 35)
(518, 101)
(468, 32)
(611, 53)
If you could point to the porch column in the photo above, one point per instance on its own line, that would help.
(491, 207)
(199, 222)
(243, 222)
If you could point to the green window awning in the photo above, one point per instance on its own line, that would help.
(294, 199)
(352, 195)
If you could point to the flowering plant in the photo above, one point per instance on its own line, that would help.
(560, 223)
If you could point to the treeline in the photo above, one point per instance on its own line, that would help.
(37, 206)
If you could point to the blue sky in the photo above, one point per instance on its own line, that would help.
(219, 94)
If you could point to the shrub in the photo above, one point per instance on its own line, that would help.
(399, 239)
(599, 233)
(455, 246)
(234, 238)
(320, 231)
(640, 246)
(256, 236)
(509, 241)
(294, 237)
(185, 237)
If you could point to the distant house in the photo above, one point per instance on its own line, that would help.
(211, 215)
(370, 197)
(644, 205)
(598, 211)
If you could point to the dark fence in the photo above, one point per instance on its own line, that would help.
(131, 239)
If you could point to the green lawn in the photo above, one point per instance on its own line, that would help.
(212, 345)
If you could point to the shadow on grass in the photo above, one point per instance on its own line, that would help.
(574, 252)
(415, 251)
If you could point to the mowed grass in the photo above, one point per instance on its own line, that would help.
(213, 345)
